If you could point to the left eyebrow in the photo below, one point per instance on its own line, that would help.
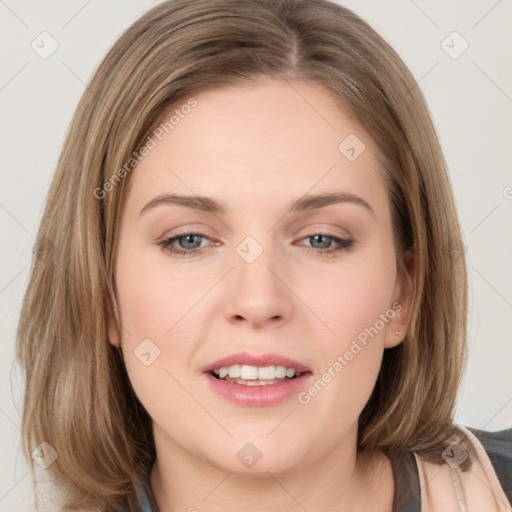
(210, 205)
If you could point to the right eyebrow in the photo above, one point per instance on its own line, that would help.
(205, 204)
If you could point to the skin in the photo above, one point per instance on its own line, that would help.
(256, 148)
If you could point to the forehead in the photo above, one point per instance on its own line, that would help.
(258, 143)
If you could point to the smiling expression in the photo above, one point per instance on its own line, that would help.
(250, 233)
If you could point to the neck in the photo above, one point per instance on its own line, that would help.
(342, 480)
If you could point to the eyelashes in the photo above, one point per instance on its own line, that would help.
(169, 244)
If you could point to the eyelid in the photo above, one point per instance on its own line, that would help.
(309, 230)
(318, 228)
(186, 230)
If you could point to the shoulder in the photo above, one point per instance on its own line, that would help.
(498, 446)
(491, 452)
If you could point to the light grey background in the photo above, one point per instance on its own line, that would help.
(470, 98)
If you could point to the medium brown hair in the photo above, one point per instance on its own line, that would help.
(78, 397)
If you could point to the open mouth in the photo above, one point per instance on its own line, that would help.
(255, 376)
(257, 386)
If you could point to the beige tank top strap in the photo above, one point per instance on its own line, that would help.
(446, 487)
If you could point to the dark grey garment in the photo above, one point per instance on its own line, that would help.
(498, 446)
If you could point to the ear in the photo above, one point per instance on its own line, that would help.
(403, 295)
(113, 332)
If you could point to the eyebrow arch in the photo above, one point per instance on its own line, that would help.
(207, 204)
(314, 202)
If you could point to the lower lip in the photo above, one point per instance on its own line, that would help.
(258, 396)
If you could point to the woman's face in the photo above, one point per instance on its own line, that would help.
(264, 272)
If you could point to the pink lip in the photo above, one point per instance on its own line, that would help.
(256, 360)
(258, 396)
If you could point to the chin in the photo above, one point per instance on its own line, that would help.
(256, 456)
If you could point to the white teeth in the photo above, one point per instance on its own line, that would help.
(267, 372)
(290, 372)
(254, 382)
(255, 373)
(248, 372)
(280, 372)
(235, 371)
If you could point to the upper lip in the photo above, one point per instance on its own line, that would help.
(256, 360)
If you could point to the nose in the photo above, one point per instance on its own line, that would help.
(257, 292)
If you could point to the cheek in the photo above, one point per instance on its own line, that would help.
(151, 307)
(156, 299)
(155, 312)
(355, 306)
(351, 299)
(158, 342)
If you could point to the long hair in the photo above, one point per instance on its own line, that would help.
(78, 397)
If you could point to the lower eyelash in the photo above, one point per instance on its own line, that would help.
(345, 245)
